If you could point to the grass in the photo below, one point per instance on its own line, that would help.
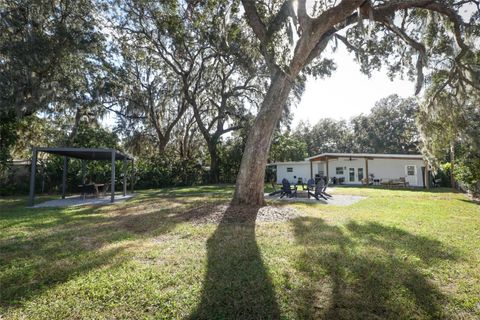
(397, 254)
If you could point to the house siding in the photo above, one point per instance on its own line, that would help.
(299, 170)
(394, 169)
(381, 168)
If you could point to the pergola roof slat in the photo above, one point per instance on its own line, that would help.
(86, 153)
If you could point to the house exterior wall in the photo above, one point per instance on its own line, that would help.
(381, 168)
(346, 164)
(299, 170)
(396, 168)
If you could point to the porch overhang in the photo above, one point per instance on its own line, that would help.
(326, 156)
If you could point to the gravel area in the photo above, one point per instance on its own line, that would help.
(335, 200)
(225, 213)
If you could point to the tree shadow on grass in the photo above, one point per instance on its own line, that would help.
(368, 271)
(53, 246)
(395, 189)
(236, 284)
(475, 201)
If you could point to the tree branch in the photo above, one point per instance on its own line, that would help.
(303, 17)
(421, 59)
(254, 20)
(346, 43)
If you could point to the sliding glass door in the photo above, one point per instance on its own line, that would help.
(351, 174)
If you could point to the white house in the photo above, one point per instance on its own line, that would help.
(352, 168)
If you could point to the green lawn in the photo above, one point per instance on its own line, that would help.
(397, 254)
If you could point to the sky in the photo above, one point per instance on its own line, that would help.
(347, 93)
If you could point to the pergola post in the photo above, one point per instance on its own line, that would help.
(83, 171)
(64, 176)
(133, 174)
(112, 187)
(31, 198)
(125, 168)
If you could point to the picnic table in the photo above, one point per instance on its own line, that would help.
(93, 188)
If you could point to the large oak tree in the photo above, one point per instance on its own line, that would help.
(49, 62)
(178, 59)
(292, 35)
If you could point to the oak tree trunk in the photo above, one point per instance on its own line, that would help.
(214, 162)
(250, 179)
(162, 145)
(452, 162)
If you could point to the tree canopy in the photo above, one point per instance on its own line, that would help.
(194, 85)
(292, 35)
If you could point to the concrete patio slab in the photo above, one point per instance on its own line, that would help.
(74, 201)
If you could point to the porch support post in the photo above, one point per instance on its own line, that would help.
(31, 198)
(64, 176)
(125, 177)
(366, 172)
(328, 175)
(132, 174)
(426, 178)
(112, 180)
(311, 169)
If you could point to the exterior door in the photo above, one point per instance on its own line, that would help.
(360, 174)
(411, 174)
(351, 174)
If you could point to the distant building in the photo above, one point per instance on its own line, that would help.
(355, 168)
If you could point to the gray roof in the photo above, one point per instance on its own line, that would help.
(86, 153)
(368, 155)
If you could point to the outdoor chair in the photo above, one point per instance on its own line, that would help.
(275, 191)
(319, 191)
(310, 185)
(107, 185)
(386, 183)
(404, 182)
(106, 188)
(300, 182)
(87, 189)
(437, 182)
(367, 181)
(324, 190)
(287, 189)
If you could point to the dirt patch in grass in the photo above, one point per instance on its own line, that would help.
(215, 213)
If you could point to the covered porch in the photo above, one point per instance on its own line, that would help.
(356, 168)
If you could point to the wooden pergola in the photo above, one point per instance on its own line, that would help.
(83, 154)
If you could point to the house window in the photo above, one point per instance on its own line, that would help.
(289, 169)
(339, 170)
(410, 170)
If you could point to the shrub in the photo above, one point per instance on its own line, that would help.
(467, 171)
